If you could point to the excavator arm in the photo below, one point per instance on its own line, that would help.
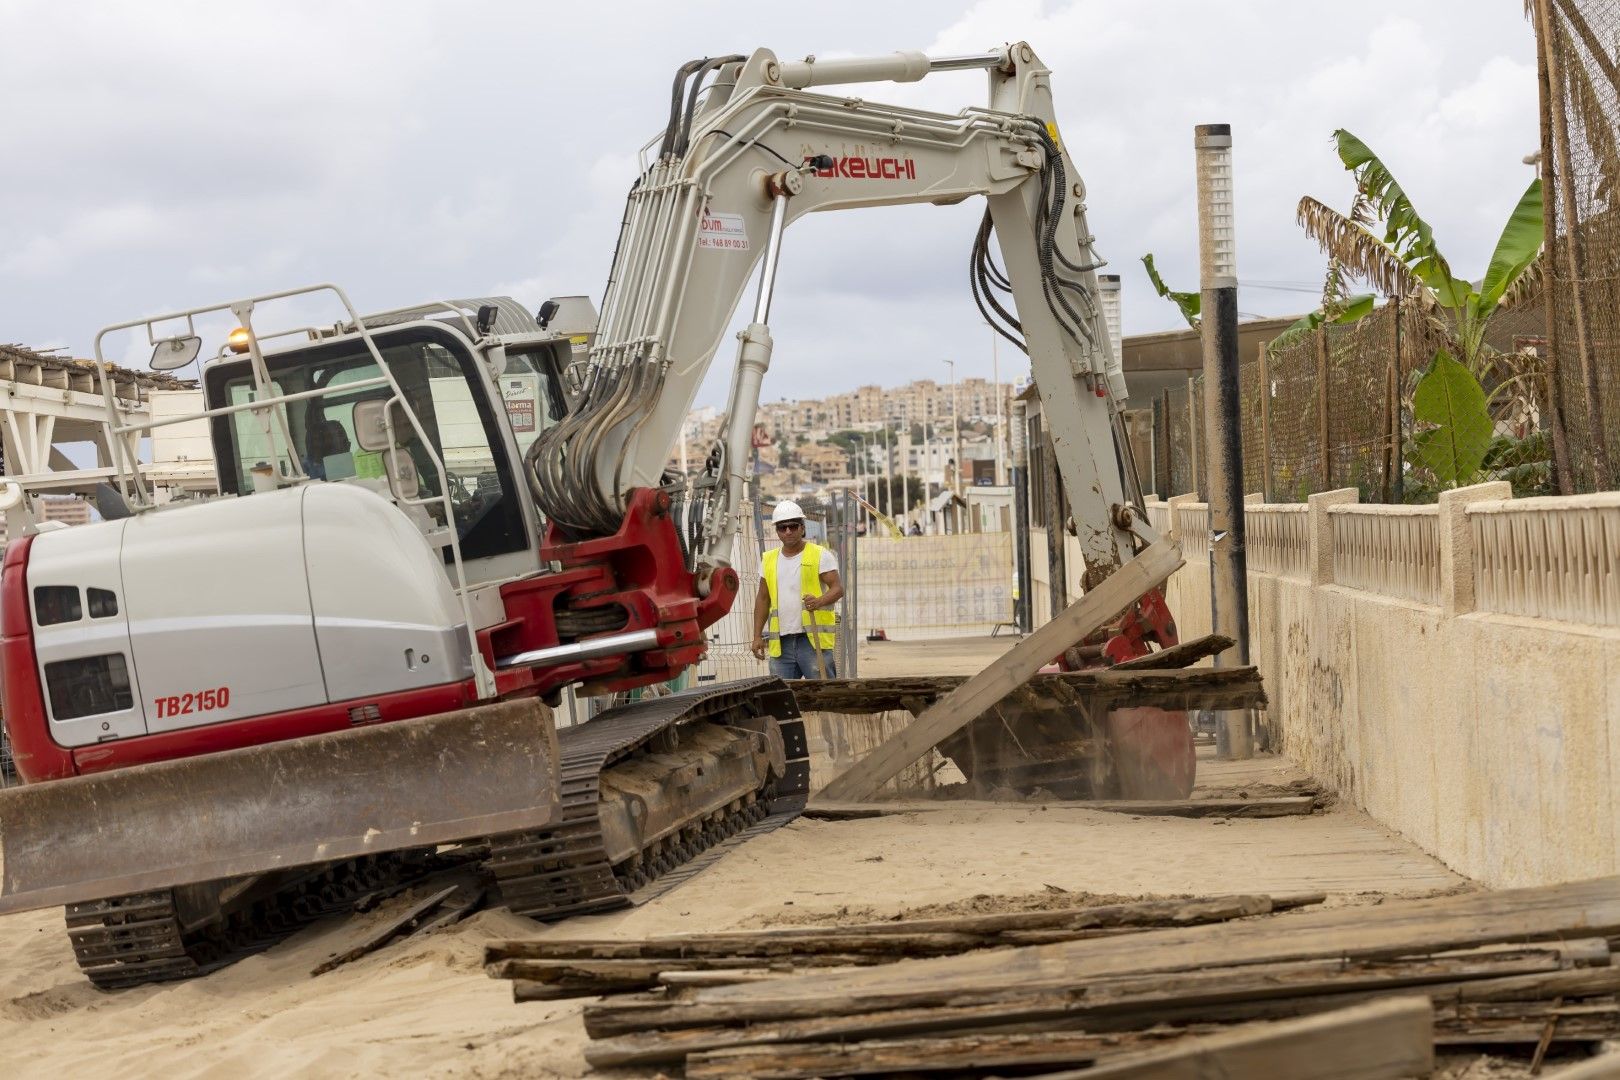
(749, 149)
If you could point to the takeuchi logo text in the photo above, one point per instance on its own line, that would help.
(871, 168)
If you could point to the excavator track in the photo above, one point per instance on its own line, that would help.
(131, 940)
(141, 938)
(564, 870)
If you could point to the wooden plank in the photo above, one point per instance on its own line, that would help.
(898, 1057)
(1257, 992)
(1263, 992)
(1395, 928)
(1147, 571)
(1186, 654)
(407, 922)
(1289, 806)
(1389, 1039)
(1116, 687)
(732, 944)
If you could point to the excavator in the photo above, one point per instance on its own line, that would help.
(237, 714)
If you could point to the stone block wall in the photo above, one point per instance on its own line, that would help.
(1434, 691)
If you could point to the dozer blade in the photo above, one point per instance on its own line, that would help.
(408, 784)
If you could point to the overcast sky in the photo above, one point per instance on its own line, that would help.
(169, 154)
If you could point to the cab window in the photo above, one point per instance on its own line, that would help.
(439, 382)
(531, 396)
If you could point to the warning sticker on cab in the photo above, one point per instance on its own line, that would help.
(722, 232)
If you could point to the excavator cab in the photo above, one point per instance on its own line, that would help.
(347, 427)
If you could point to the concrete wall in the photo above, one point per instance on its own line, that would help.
(1433, 691)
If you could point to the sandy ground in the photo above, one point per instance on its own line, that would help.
(424, 1007)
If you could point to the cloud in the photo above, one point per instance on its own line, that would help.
(181, 153)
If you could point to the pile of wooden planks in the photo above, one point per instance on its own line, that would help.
(548, 968)
(1103, 990)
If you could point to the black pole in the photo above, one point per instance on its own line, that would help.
(1223, 432)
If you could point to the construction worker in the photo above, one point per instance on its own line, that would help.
(794, 616)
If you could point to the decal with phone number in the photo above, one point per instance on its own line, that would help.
(200, 701)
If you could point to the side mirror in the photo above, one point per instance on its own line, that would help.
(370, 425)
(172, 354)
(401, 473)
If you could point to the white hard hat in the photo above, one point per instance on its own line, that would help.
(786, 510)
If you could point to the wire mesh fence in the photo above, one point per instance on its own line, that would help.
(1341, 407)
(1580, 114)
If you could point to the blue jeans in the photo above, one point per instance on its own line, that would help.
(798, 659)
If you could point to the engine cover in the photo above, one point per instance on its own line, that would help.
(235, 608)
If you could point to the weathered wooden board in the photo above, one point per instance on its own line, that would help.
(1388, 1039)
(1395, 928)
(1288, 806)
(1186, 654)
(890, 1057)
(876, 936)
(1278, 990)
(1114, 688)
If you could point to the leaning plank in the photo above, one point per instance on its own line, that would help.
(409, 921)
(1268, 991)
(1392, 1039)
(782, 941)
(1284, 806)
(1147, 571)
(891, 1057)
(1183, 655)
(1396, 928)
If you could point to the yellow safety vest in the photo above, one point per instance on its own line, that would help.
(809, 585)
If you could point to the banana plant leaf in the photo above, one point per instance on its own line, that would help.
(1189, 303)
(1515, 250)
(1450, 398)
(1405, 231)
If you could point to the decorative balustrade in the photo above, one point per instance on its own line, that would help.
(1389, 550)
(1548, 558)
(1277, 539)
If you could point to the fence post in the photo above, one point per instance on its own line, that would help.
(1597, 449)
(1320, 524)
(1265, 421)
(1161, 445)
(1457, 543)
(1193, 476)
(1324, 450)
(1390, 488)
(1565, 473)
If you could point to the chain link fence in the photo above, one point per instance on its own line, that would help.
(1580, 115)
(1338, 407)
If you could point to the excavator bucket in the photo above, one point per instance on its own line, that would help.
(408, 784)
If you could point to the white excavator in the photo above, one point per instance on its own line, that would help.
(237, 714)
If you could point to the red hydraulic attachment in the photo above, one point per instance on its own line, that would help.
(1153, 748)
(635, 579)
(1149, 620)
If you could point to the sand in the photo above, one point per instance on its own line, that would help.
(423, 1007)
